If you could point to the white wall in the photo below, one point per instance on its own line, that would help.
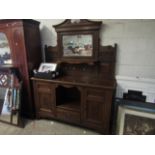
(136, 46)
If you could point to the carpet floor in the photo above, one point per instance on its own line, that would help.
(44, 127)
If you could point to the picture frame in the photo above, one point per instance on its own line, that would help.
(77, 45)
(47, 67)
(137, 119)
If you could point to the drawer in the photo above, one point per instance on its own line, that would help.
(44, 87)
(96, 92)
(69, 116)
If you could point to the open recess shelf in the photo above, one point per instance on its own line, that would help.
(68, 98)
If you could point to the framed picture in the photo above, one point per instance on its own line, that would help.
(79, 45)
(47, 67)
(135, 120)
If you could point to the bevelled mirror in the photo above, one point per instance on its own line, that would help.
(5, 52)
(10, 92)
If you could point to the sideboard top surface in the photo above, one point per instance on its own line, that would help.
(107, 84)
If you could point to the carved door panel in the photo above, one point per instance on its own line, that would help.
(45, 99)
(94, 108)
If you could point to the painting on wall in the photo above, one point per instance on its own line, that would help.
(135, 121)
(80, 45)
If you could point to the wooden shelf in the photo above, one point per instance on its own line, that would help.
(75, 106)
(77, 61)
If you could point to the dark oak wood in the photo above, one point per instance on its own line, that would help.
(45, 99)
(84, 27)
(93, 110)
(83, 94)
(25, 45)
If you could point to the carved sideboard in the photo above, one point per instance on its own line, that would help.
(83, 94)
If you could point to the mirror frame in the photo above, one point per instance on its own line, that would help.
(78, 27)
(4, 44)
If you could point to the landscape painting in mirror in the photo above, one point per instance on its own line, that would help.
(80, 45)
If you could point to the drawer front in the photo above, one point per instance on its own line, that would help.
(96, 95)
(45, 87)
(69, 116)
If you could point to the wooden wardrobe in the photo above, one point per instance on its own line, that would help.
(24, 42)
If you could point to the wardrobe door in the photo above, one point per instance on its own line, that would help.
(27, 50)
(20, 62)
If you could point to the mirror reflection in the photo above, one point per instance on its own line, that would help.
(9, 105)
(4, 107)
(10, 89)
(5, 52)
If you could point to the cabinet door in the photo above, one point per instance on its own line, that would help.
(94, 108)
(45, 99)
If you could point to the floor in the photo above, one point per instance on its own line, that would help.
(44, 127)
